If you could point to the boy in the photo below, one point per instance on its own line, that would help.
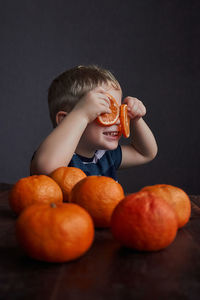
(76, 98)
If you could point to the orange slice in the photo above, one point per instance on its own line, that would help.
(124, 120)
(108, 119)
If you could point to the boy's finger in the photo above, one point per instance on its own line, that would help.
(106, 99)
(135, 107)
(130, 107)
(103, 96)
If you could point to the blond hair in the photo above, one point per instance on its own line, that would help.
(67, 89)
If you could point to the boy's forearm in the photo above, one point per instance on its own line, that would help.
(142, 139)
(58, 148)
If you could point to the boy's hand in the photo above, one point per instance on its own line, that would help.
(94, 103)
(136, 108)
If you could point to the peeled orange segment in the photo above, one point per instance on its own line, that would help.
(108, 119)
(124, 120)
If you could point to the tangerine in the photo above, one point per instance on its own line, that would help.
(144, 221)
(176, 197)
(34, 189)
(67, 177)
(98, 195)
(55, 232)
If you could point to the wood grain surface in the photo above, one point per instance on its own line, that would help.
(106, 271)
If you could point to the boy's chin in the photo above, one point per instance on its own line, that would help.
(111, 146)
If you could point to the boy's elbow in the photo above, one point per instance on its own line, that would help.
(153, 154)
(41, 168)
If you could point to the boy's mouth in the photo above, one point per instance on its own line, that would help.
(111, 133)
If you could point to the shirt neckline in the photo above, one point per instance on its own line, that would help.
(86, 159)
(97, 155)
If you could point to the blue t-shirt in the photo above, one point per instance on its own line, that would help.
(104, 162)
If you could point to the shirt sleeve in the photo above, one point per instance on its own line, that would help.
(117, 156)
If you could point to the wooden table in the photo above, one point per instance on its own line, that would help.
(106, 271)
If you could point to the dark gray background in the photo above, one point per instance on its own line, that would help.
(151, 46)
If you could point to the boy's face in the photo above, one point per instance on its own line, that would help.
(95, 136)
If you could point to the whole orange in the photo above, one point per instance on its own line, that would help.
(67, 177)
(55, 232)
(144, 221)
(176, 197)
(34, 189)
(98, 195)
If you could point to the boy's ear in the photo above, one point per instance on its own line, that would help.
(60, 116)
